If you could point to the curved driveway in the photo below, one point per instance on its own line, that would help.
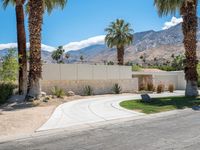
(93, 110)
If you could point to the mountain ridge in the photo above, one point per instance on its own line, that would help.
(152, 44)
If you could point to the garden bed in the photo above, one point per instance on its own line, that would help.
(161, 104)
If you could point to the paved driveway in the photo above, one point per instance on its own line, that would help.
(94, 110)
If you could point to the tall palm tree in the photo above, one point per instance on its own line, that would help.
(119, 35)
(188, 11)
(21, 41)
(36, 11)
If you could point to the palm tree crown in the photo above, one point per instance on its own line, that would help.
(119, 34)
(49, 5)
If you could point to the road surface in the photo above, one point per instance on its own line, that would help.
(180, 131)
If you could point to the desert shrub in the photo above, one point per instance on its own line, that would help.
(58, 92)
(136, 68)
(88, 91)
(6, 90)
(171, 88)
(116, 88)
(160, 88)
(150, 87)
(142, 87)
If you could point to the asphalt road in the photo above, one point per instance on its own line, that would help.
(178, 131)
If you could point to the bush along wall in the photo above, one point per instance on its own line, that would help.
(6, 90)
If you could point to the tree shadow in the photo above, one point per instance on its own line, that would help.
(16, 106)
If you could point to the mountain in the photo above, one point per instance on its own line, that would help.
(46, 55)
(46, 50)
(149, 44)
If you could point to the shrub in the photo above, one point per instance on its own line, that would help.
(160, 88)
(88, 91)
(171, 88)
(142, 87)
(58, 92)
(6, 90)
(117, 89)
(136, 68)
(9, 67)
(150, 87)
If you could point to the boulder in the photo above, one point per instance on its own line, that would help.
(70, 93)
(146, 98)
(43, 94)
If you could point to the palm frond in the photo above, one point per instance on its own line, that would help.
(166, 7)
(119, 34)
(5, 3)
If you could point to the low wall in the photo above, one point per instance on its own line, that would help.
(85, 72)
(75, 77)
(98, 86)
(177, 78)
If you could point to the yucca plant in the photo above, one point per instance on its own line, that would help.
(88, 91)
(58, 92)
(117, 89)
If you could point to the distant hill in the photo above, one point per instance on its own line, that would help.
(151, 44)
(46, 56)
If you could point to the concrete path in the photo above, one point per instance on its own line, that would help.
(94, 110)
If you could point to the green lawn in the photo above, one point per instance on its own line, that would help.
(161, 104)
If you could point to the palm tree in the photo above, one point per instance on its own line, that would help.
(21, 41)
(81, 58)
(119, 35)
(36, 11)
(188, 11)
(57, 55)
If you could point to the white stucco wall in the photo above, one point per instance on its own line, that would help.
(85, 72)
(172, 77)
(76, 76)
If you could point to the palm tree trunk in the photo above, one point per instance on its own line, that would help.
(120, 55)
(190, 23)
(35, 28)
(21, 40)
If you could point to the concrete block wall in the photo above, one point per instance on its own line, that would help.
(76, 76)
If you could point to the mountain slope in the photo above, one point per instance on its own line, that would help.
(160, 45)
(151, 44)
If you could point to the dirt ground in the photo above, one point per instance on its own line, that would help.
(18, 119)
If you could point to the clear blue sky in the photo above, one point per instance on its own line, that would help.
(82, 19)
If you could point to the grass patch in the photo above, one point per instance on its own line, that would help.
(161, 104)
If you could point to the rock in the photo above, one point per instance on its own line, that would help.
(43, 94)
(70, 93)
(46, 99)
(146, 98)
